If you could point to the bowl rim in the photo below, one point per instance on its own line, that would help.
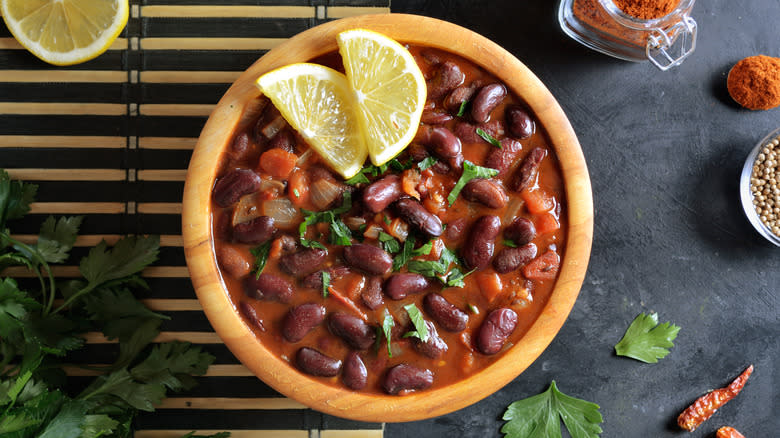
(745, 195)
(281, 375)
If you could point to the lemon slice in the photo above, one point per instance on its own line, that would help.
(316, 101)
(389, 91)
(65, 32)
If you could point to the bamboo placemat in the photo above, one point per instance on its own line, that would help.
(111, 139)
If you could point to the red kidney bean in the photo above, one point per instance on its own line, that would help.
(485, 191)
(372, 293)
(235, 184)
(314, 280)
(518, 122)
(302, 319)
(447, 77)
(435, 117)
(239, 148)
(405, 377)
(398, 286)
(442, 142)
(434, 347)
(455, 99)
(502, 159)
(236, 262)
(250, 313)
(509, 259)
(413, 212)
(353, 330)
(442, 168)
(455, 228)
(526, 174)
(256, 231)
(283, 139)
(495, 330)
(303, 262)
(479, 245)
(369, 258)
(467, 132)
(311, 361)
(416, 150)
(486, 100)
(446, 314)
(355, 374)
(268, 287)
(520, 231)
(382, 192)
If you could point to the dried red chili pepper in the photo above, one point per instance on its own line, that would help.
(708, 404)
(728, 432)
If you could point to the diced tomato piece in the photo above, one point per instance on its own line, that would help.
(489, 284)
(546, 223)
(278, 162)
(298, 188)
(537, 201)
(544, 267)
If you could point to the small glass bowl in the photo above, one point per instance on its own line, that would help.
(745, 194)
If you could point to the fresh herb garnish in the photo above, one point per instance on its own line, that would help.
(389, 243)
(296, 193)
(408, 252)
(339, 234)
(510, 243)
(360, 178)
(440, 269)
(647, 341)
(34, 334)
(370, 169)
(540, 416)
(420, 329)
(398, 166)
(488, 138)
(462, 108)
(386, 220)
(260, 253)
(427, 163)
(325, 283)
(387, 327)
(470, 171)
(473, 309)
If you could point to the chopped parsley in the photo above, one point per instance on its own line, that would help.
(488, 138)
(389, 243)
(296, 193)
(387, 327)
(427, 163)
(325, 283)
(462, 108)
(540, 416)
(646, 340)
(408, 252)
(510, 243)
(340, 234)
(261, 257)
(470, 171)
(440, 269)
(420, 329)
(473, 309)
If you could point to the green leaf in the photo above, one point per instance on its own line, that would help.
(389, 243)
(129, 256)
(488, 138)
(646, 340)
(455, 277)
(118, 312)
(540, 416)
(462, 108)
(387, 327)
(339, 234)
(130, 346)
(67, 423)
(15, 198)
(54, 333)
(427, 163)
(95, 426)
(168, 362)
(509, 243)
(57, 238)
(440, 269)
(360, 178)
(10, 423)
(119, 384)
(14, 307)
(325, 283)
(261, 257)
(421, 330)
(470, 171)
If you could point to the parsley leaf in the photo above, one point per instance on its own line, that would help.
(14, 306)
(647, 341)
(540, 416)
(462, 108)
(172, 365)
(440, 269)
(488, 138)
(260, 253)
(325, 283)
(387, 327)
(129, 256)
(57, 238)
(15, 198)
(388, 243)
(420, 329)
(470, 171)
(510, 243)
(408, 252)
(427, 163)
(340, 234)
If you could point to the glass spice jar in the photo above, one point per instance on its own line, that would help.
(602, 26)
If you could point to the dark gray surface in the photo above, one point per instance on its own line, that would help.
(664, 151)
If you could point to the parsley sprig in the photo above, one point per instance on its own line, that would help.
(443, 269)
(339, 234)
(647, 341)
(34, 334)
(540, 416)
(470, 171)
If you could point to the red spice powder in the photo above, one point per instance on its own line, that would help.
(647, 9)
(754, 82)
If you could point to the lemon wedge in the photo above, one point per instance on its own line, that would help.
(388, 88)
(65, 32)
(316, 101)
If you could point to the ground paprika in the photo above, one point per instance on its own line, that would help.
(754, 82)
(646, 9)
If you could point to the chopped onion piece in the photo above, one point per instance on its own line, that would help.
(274, 126)
(512, 210)
(324, 192)
(354, 222)
(372, 231)
(285, 215)
(248, 208)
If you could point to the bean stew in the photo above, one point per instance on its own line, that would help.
(408, 276)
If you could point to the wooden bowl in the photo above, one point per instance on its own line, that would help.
(279, 374)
